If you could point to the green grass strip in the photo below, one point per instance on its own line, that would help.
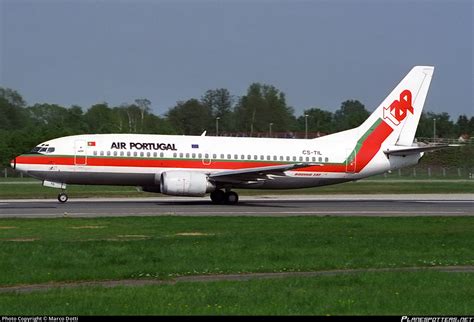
(73, 249)
(420, 293)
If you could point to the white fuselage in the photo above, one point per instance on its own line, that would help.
(139, 160)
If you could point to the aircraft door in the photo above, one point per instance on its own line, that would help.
(351, 160)
(80, 155)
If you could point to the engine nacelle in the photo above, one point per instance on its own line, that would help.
(185, 183)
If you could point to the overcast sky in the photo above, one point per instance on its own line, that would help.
(319, 53)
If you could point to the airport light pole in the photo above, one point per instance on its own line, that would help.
(270, 126)
(217, 125)
(306, 126)
(434, 129)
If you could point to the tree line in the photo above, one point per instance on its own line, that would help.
(262, 109)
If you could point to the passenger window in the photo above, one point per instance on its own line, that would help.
(155, 154)
(206, 156)
(180, 155)
(214, 156)
(129, 153)
(148, 154)
(122, 153)
(326, 159)
(287, 158)
(268, 158)
(314, 159)
(108, 153)
(142, 154)
(135, 153)
(307, 159)
(255, 157)
(249, 157)
(187, 155)
(294, 158)
(115, 153)
(262, 157)
(320, 159)
(229, 156)
(301, 158)
(242, 157)
(200, 155)
(275, 158)
(162, 154)
(95, 152)
(281, 158)
(175, 155)
(222, 156)
(193, 155)
(101, 153)
(236, 157)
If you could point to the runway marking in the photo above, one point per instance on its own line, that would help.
(443, 201)
(311, 212)
(252, 214)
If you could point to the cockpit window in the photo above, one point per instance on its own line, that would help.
(42, 148)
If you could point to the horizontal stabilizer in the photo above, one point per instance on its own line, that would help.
(403, 150)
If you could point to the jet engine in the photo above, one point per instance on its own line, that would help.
(185, 183)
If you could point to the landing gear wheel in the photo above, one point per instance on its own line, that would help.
(217, 196)
(231, 198)
(62, 197)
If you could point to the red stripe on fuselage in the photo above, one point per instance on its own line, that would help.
(368, 150)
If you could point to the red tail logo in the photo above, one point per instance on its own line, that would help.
(399, 109)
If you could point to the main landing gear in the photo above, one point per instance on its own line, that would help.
(62, 197)
(228, 197)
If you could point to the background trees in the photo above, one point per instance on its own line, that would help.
(23, 126)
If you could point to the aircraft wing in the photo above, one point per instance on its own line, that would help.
(407, 150)
(257, 174)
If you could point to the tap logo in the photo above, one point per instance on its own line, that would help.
(398, 110)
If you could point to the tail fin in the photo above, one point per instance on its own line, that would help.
(401, 110)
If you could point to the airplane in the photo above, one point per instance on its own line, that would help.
(198, 165)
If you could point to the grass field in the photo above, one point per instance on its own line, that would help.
(67, 249)
(25, 188)
(420, 293)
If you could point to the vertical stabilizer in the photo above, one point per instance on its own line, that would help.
(401, 109)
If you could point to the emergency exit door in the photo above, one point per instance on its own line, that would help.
(351, 161)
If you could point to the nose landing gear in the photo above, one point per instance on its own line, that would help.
(62, 197)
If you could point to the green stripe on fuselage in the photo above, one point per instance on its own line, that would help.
(361, 141)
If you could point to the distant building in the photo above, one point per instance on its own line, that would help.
(464, 138)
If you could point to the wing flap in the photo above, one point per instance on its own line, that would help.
(257, 174)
